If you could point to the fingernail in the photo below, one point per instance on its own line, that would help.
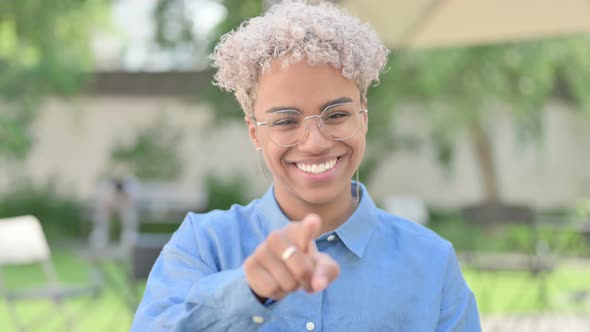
(320, 283)
(313, 216)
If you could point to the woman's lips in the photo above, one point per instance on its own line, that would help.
(317, 168)
(317, 171)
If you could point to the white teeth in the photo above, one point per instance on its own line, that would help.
(317, 169)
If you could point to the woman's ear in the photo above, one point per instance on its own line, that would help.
(252, 130)
(365, 115)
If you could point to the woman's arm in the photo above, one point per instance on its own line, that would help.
(185, 292)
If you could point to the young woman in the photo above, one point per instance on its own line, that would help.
(314, 253)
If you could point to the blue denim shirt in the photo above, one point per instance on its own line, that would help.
(395, 275)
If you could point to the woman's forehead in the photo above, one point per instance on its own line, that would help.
(304, 85)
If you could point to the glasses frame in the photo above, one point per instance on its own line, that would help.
(321, 125)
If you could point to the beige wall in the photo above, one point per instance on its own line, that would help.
(74, 138)
(552, 174)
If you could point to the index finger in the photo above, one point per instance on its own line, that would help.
(303, 232)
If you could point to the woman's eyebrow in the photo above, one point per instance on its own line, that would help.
(340, 100)
(281, 108)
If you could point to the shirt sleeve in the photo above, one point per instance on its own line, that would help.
(458, 311)
(185, 293)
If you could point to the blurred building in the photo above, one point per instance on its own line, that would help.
(75, 138)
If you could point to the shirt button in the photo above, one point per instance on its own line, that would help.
(258, 319)
(331, 237)
(310, 326)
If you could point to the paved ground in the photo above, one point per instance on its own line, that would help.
(537, 323)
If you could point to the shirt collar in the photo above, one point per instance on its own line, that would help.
(354, 233)
(271, 215)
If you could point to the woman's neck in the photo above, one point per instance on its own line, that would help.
(333, 214)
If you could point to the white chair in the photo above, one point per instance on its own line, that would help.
(23, 242)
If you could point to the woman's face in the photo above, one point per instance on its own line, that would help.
(308, 89)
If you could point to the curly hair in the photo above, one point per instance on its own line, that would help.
(293, 30)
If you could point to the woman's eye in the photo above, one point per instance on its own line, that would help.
(285, 122)
(337, 115)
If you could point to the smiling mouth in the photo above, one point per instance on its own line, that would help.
(317, 168)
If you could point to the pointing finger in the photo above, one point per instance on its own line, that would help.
(305, 231)
(325, 272)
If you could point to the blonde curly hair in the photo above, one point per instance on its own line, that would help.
(294, 30)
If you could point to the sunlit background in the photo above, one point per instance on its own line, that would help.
(479, 129)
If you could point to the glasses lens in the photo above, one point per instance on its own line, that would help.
(341, 121)
(285, 127)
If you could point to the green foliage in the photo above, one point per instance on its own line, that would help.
(524, 75)
(455, 87)
(59, 214)
(223, 192)
(582, 209)
(44, 49)
(173, 26)
(153, 154)
(467, 236)
(237, 12)
(15, 139)
(225, 105)
(178, 33)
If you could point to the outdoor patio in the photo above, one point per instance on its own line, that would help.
(479, 130)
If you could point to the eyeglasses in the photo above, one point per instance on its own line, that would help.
(288, 127)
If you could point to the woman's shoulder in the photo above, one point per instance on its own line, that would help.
(204, 230)
(235, 216)
(411, 231)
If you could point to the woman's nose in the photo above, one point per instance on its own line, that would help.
(314, 138)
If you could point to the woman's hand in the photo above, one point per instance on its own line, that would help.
(289, 260)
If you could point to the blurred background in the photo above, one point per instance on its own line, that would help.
(110, 131)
